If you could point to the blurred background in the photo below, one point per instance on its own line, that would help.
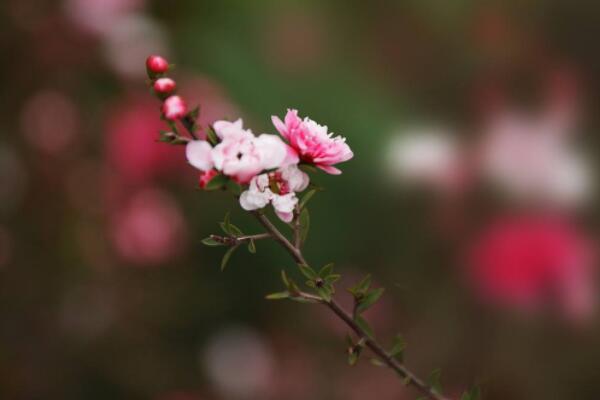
(470, 198)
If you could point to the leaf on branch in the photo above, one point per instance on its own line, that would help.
(308, 272)
(229, 228)
(369, 299)
(227, 256)
(354, 352)
(216, 183)
(377, 362)
(333, 278)
(398, 347)
(211, 242)
(211, 136)
(325, 293)
(364, 325)
(306, 198)
(304, 220)
(360, 289)
(193, 115)
(252, 246)
(326, 270)
(284, 278)
(434, 380)
(278, 296)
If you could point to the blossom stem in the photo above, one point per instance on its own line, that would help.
(408, 376)
(235, 240)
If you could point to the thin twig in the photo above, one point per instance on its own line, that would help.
(409, 377)
(235, 240)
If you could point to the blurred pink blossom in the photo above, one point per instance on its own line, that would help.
(531, 262)
(312, 142)
(148, 229)
(50, 121)
(131, 131)
(97, 16)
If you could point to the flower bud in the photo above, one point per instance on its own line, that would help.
(164, 86)
(174, 108)
(157, 65)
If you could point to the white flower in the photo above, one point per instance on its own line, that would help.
(278, 188)
(429, 156)
(531, 159)
(198, 154)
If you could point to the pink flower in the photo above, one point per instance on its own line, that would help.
(174, 108)
(131, 130)
(312, 142)
(278, 188)
(531, 262)
(149, 229)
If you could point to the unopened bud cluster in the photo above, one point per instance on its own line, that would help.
(174, 107)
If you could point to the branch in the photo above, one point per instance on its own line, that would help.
(409, 377)
(235, 240)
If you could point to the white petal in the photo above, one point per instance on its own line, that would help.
(272, 150)
(199, 154)
(285, 203)
(253, 200)
(297, 180)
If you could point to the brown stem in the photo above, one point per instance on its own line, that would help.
(345, 316)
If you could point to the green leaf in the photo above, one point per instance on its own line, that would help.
(325, 293)
(306, 198)
(434, 380)
(227, 256)
(300, 299)
(361, 288)
(369, 299)
(398, 347)
(211, 242)
(229, 228)
(252, 246)
(304, 224)
(193, 114)
(278, 296)
(285, 278)
(216, 183)
(326, 270)
(377, 362)
(364, 325)
(308, 272)
(211, 136)
(333, 278)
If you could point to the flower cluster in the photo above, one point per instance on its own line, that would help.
(266, 165)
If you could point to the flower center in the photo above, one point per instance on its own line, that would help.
(277, 184)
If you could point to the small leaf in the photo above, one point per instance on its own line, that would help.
(360, 289)
(398, 347)
(304, 300)
(304, 224)
(407, 380)
(332, 278)
(326, 270)
(284, 278)
(193, 114)
(377, 362)
(325, 293)
(434, 380)
(216, 183)
(369, 299)
(278, 296)
(211, 136)
(306, 198)
(308, 271)
(252, 246)
(227, 256)
(364, 325)
(211, 242)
